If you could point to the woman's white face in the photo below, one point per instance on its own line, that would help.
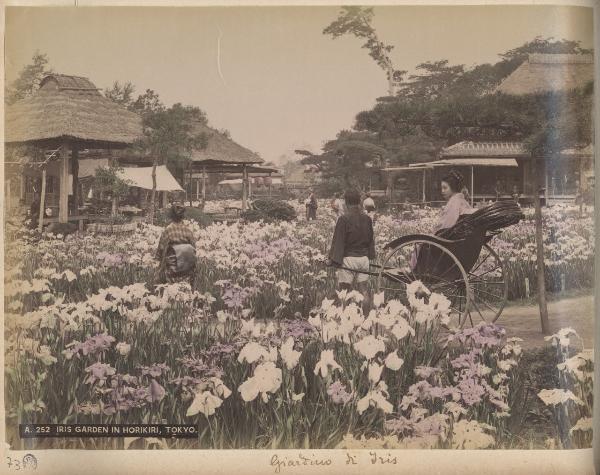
(446, 190)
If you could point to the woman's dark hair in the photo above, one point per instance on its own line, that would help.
(352, 197)
(455, 181)
(177, 212)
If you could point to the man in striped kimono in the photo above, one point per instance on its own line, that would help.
(176, 249)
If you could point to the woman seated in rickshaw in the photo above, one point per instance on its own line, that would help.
(453, 190)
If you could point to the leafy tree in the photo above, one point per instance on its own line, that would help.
(356, 21)
(121, 94)
(348, 160)
(107, 180)
(147, 103)
(29, 78)
(432, 80)
(169, 135)
(169, 132)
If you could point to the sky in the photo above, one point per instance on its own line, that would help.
(268, 74)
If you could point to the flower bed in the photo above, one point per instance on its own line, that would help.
(264, 353)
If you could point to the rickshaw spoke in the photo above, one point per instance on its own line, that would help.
(488, 305)
(488, 293)
(488, 282)
(486, 272)
(481, 293)
(447, 283)
(481, 262)
(479, 311)
(449, 269)
(471, 319)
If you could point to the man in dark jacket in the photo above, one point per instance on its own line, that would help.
(353, 246)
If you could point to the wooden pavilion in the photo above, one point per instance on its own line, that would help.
(221, 156)
(65, 115)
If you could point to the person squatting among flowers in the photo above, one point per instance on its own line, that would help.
(353, 247)
(176, 249)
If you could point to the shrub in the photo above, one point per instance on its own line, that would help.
(269, 211)
(62, 228)
(381, 203)
(162, 217)
(119, 219)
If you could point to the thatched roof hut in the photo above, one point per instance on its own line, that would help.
(71, 108)
(69, 113)
(549, 72)
(221, 150)
(223, 155)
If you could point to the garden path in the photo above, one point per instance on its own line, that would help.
(524, 321)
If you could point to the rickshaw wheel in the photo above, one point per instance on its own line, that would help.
(396, 274)
(489, 286)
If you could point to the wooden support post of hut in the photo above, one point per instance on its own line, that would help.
(204, 183)
(472, 184)
(244, 188)
(75, 172)
(42, 201)
(63, 203)
(8, 195)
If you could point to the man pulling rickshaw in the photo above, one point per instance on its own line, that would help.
(456, 261)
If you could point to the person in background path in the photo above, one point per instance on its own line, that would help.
(177, 263)
(311, 207)
(498, 190)
(352, 247)
(368, 203)
(34, 210)
(515, 194)
(307, 204)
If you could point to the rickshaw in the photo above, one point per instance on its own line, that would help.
(457, 262)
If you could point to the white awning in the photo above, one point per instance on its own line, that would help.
(473, 162)
(142, 178)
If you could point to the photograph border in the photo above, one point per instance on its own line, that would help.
(347, 461)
